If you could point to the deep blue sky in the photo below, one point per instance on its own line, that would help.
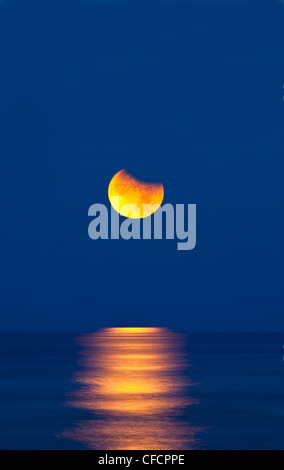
(187, 93)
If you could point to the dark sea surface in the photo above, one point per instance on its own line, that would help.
(144, 388)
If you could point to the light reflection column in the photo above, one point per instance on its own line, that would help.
(134, 381)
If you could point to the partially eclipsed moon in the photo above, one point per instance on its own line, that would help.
(133, 198)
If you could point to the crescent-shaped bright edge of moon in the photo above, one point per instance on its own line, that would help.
(133, 191)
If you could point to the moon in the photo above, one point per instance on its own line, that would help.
(125, 190)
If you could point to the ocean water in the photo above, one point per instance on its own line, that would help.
(141, 388)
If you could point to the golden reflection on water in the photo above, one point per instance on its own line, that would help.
(134, 383)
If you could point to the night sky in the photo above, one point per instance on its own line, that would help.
(186, 93)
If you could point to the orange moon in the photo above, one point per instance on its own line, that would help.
(124, 190)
